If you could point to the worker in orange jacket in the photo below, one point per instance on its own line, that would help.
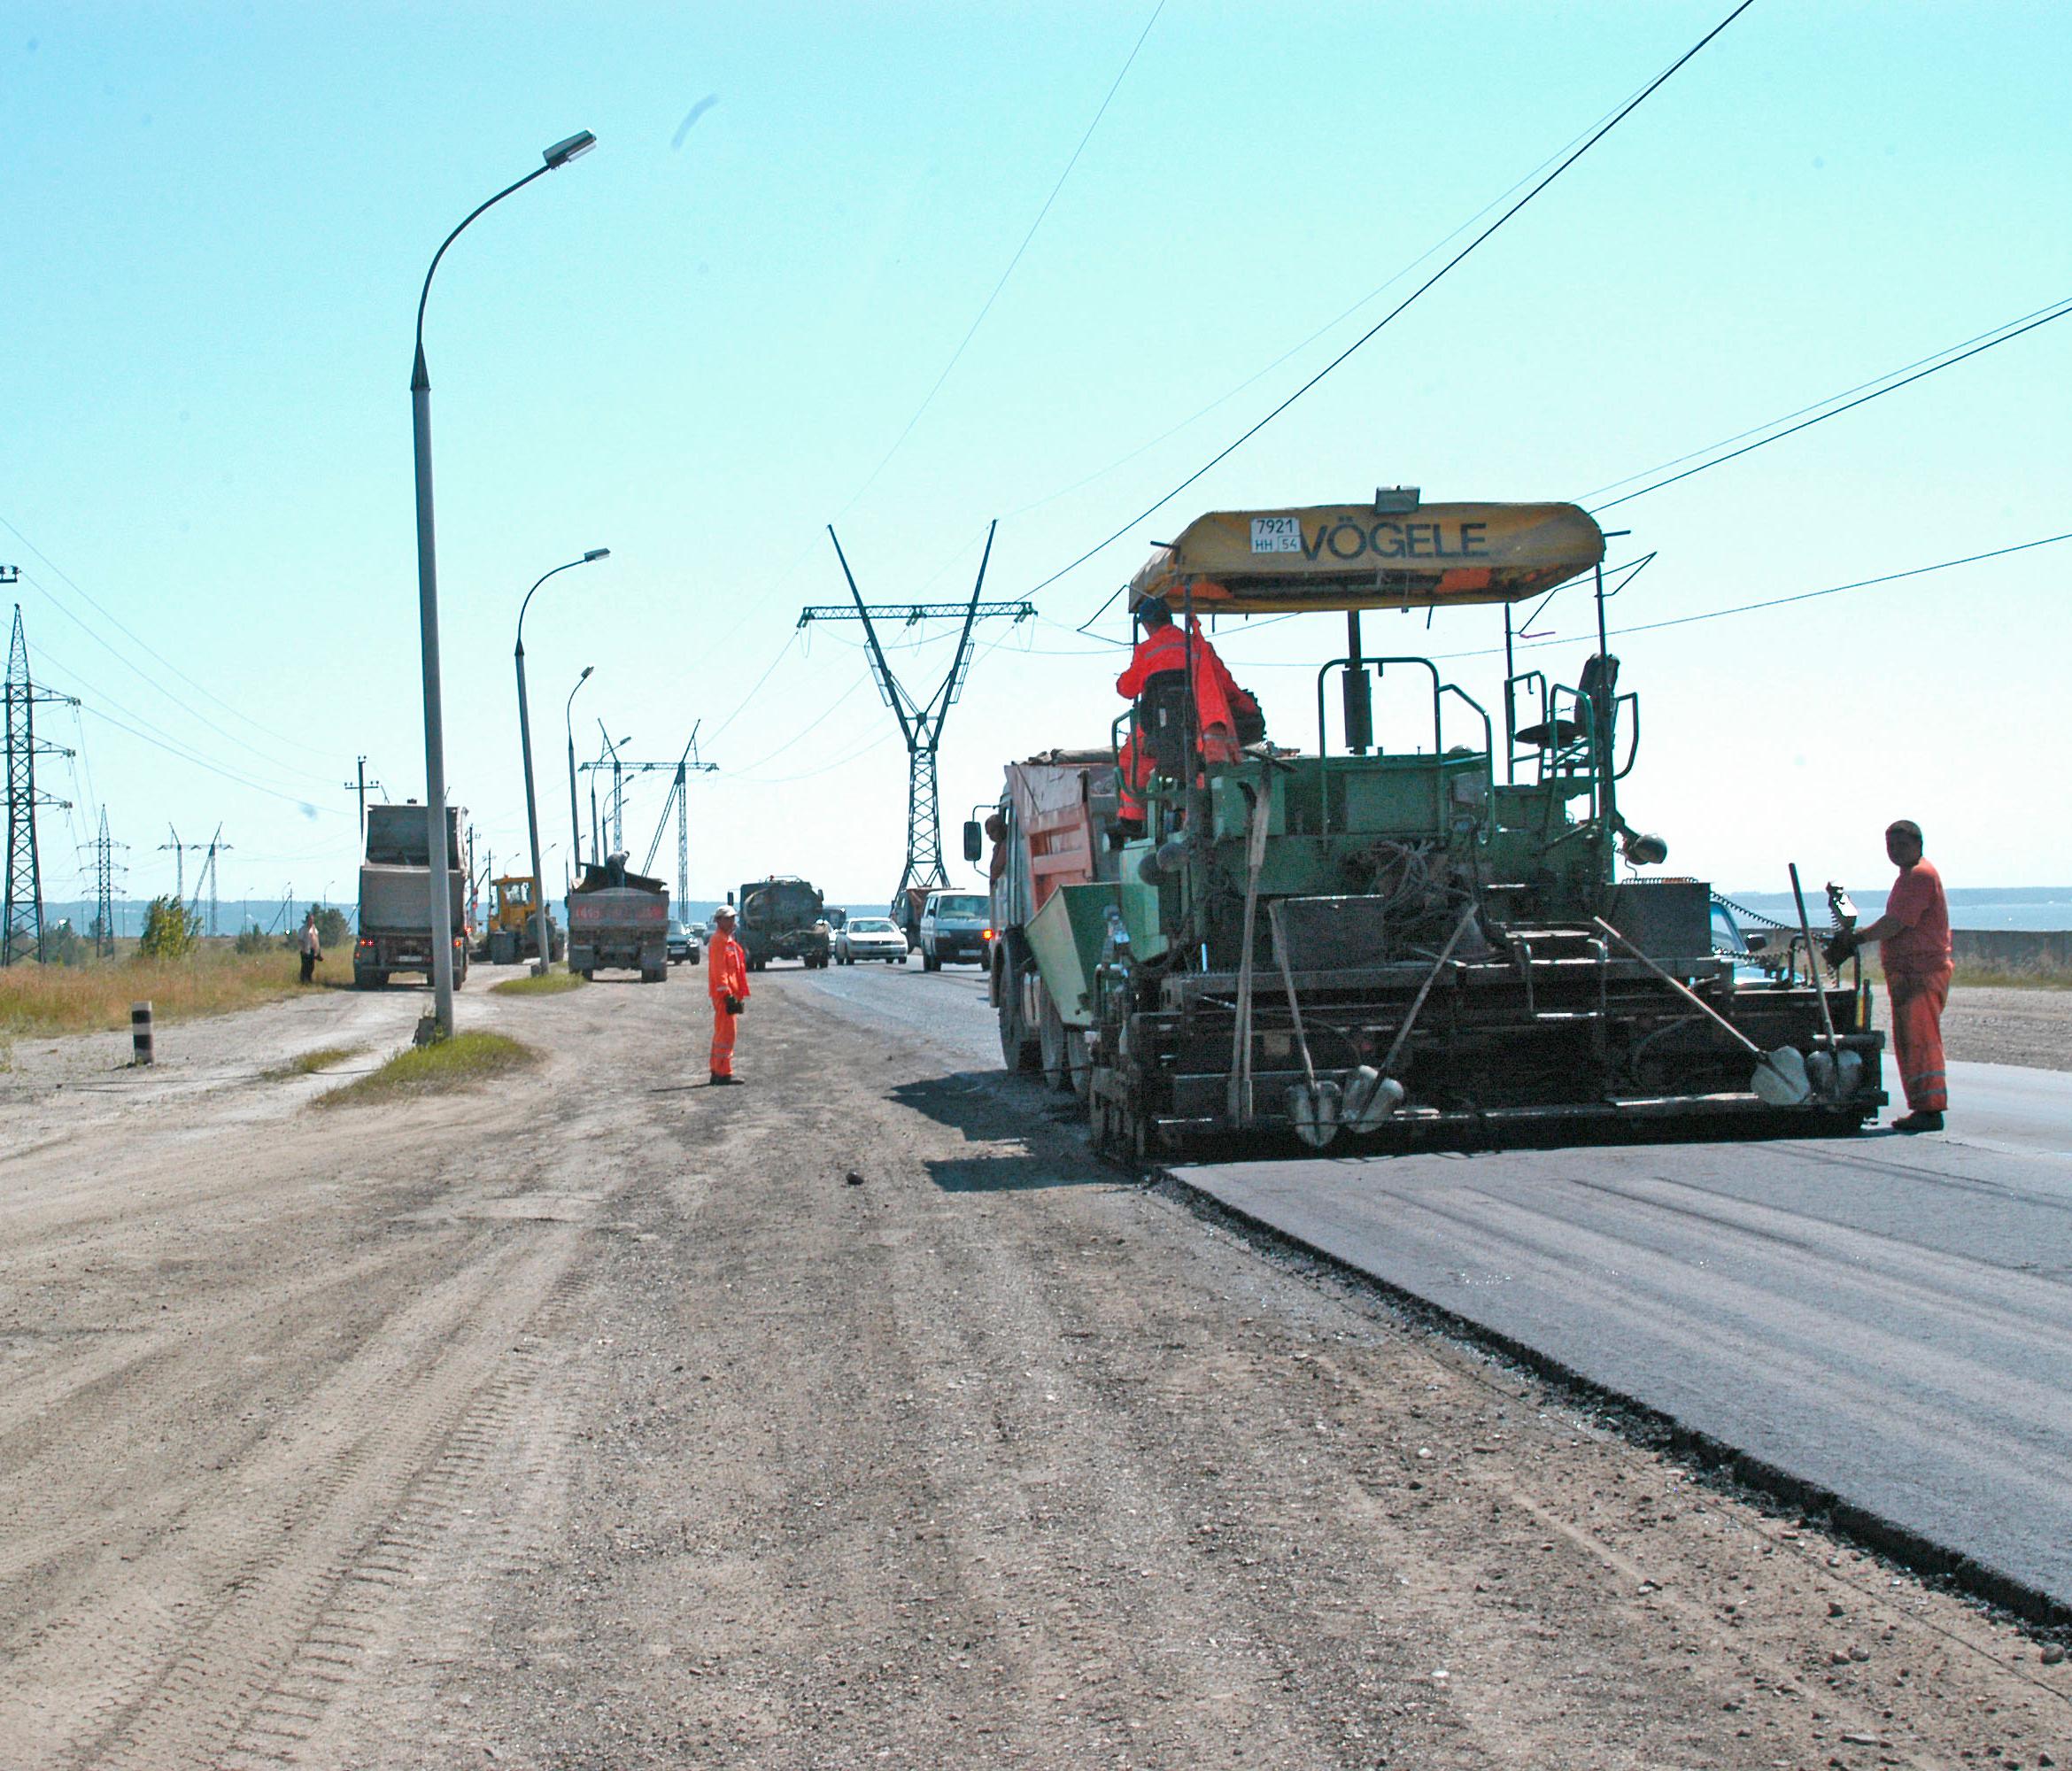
(1163, 651)
(726, 982)
(1914, 946)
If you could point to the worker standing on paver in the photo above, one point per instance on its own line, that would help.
(726, 980)
(313, 947)
(1914, 946)
(1220, 706)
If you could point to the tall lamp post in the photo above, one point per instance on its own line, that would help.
(539, 915)
(428, 608)
(575, 818)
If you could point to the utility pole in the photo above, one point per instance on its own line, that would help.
(921, 722)
(24, 922)
(104, 872)
(363, 788)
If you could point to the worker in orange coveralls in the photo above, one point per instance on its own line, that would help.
(726, 981)
(1914, 946)
(1217, 700)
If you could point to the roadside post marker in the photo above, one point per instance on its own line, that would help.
(140, 1033)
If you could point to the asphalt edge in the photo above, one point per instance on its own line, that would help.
(1655, 1429)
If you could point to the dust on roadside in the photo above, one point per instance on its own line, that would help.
(994, 1456)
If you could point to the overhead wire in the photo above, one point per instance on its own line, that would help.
(145, 646)
(2057, 311)
(176, 746)
(971, 332)
(1779, 602)
(1329, 326)
(1252, 430)
(151, 683)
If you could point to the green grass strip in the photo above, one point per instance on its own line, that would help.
(540, 983)
(458, 1062)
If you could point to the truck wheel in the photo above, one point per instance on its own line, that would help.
(1018, 1047)
(365, 980)
(1054, 1041)
(648, 975)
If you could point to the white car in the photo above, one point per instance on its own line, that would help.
(870, 938)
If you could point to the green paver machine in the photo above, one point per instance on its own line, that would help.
(1369, 946)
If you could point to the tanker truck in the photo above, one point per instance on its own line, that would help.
(783, 917)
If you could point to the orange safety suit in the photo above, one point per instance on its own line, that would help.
(1216, 697)
(1917, 980)
(726, 974)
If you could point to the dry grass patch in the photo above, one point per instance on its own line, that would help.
(96, 997)
(458, 1062)
(540, 983)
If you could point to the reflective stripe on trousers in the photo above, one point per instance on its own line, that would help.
(1917, 999)
(723, 1040)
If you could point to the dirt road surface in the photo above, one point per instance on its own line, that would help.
(605, 1421)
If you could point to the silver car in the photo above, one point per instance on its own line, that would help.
(870, 938)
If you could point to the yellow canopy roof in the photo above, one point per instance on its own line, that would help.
(1349, 556)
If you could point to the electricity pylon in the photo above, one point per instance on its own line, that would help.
(206, 880)
(685, 765)
(105, 869)
(23, 924)
(681, 800)
(920, 720)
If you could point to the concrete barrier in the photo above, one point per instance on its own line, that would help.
(2046, 952)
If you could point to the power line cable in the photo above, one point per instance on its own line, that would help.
(1780, 602)
(147, 679)
(1754, 430)
(145, 646)
(1331, 325)
(1567, 160)
(972, 332)
(2057, 312)
(294, 800)
(177, 746)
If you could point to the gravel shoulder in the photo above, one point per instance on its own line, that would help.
(602, 1420)
(1991, 1025)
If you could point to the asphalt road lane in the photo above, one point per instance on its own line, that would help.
(949, 1006)
(1888, 1318)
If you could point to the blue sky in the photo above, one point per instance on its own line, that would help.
(697, 355)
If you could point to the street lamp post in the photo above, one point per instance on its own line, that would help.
(428, 608)
(539, 915)
(568, 728)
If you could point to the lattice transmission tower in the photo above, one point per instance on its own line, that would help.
(24, 925)
(920, 720)
(106, 868)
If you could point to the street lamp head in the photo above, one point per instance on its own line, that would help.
(597, 553)
(587, 668)
(562, 152)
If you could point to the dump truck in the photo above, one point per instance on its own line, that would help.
(783, 917)
(1380, 943)
(512, 932)
(618, 920)
(395, 931)
(1048, 833)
